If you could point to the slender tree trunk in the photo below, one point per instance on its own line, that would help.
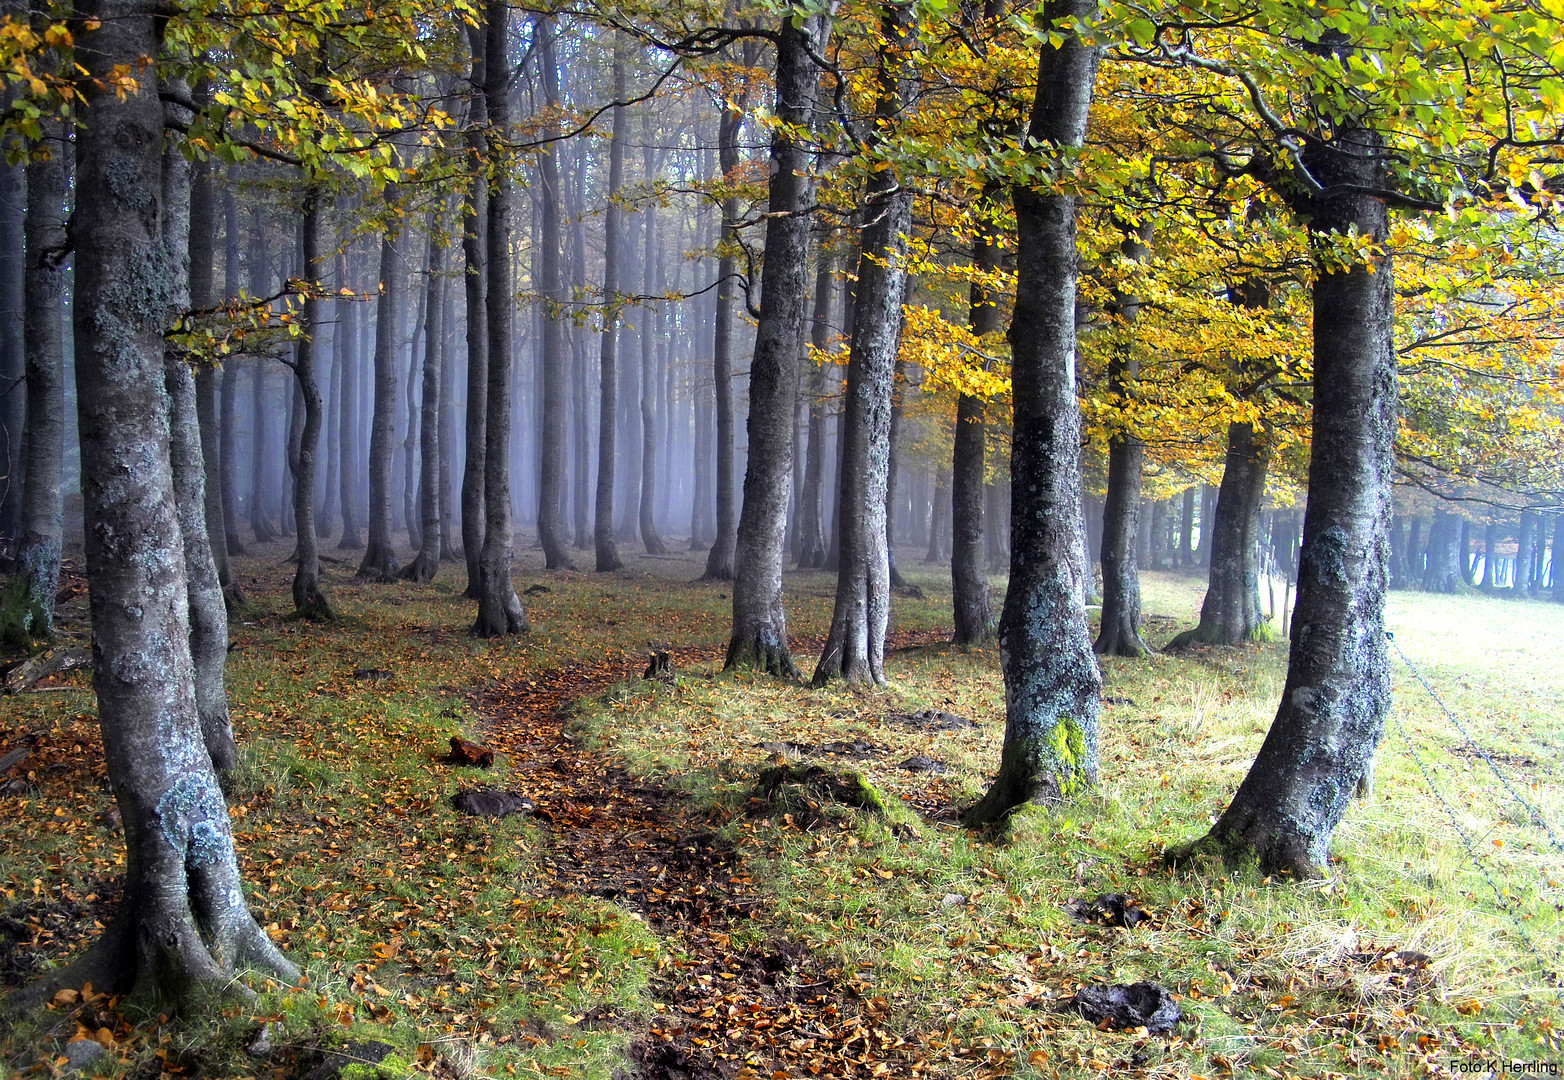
(1230, 613)
(407, 450)
(426, 564)
(939, 516)
(347, 347)
(759, 636)
(13, 398)
(475, 282)
(646, 512)
(855, 645)
(1051, 678)
(203, 295)
(1443, 573)
(499, 608)
(719, 560)
(260, 465)
(606, 549)
(1414, 552)
(379, 562)
(1521, 585)
(43, 446)
(1208, 497)
(1186, 526)
(974, 616)
(309, 601)
(183, 921)
(811, 533)
(580, 426)
(1558, 570)
(1321, 745)
(449, 551)
(207, 614)
(228, 426)
(1468, 565)
(331, 495)
(551, 529)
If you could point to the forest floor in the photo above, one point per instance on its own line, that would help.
(658, 914)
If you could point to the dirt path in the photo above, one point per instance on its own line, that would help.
(763, 1011)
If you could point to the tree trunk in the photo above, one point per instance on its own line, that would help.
(203, 296)
(759, 636)
(1208, 497)
(1333, 706)
(650, 286)
(379, 562)
(1558, 571)
(499, 608)
(855, 645)
(407, 449)
(1186, 538)
(551, 528)
(331, 496)
(1468, 564)
(426, 564)
(1443, 572)
(1521, 586)
(1051, 678)
(580, 426)
(1398, 570)
(260, 465)
(183, 922)
(719, 560)
(1414, 552)
(449, 551)
(13, 362)
(347, 346)
(207, 614)
(309, 601)
(1230, 613)
(939, 516)
(475, 293)
(42, 531)
(811, 535)
(603, 542)
(228, 426)
(974, 615)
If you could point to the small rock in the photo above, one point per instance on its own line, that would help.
(82, 1052)
(921, 763)
(372, 674)
(491, 803)
(1141, 1004)
(265, 1041)
(370, 1052)
(538, 590)
(953, 899)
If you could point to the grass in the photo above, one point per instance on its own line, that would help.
(432, 932)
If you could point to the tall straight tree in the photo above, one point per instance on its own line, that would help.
(42, 535)
(719, 560)
(207, 613)
(348, 472)
(855, 645)
(182, 921)
(260, 455)
(427, 562)
(309, 600)
(810, 540)
(759, 637)
(499, 608)
(228, 420)
(379, 562)
(650, 286)
(475, 293)
(1051, 678)
(603, 542)
(552, 447)
(974, 616)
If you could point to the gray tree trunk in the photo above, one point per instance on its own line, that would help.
(260, 464)
(1230, 613)
(855, 645)
(228, 426)
(759, 637)
(347, 346)
(13, 363)
(1321, 744)
(646, 514)
(810, 541)
(379, 562)
(580, 425)
(475, 293)
(1443, 572)
(1051, 678)
(427, 562)
(407, 450)
(43, 446)
(603, 542)
(309, 601)
(551, 527)
(499, 608)
(183, 921)
(1521, 586)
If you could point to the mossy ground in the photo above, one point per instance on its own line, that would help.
(439, 934)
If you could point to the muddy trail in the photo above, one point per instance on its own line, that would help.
(762, 1011)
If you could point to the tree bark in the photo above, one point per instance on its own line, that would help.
(650, 286)
(309, 601)
(1443, 572)
(499, 608)
(426, 564)
(475, 294)
(42, 531)
(759, 637)
(1558, 571)
(580, 426)
(1230, 613)
(260, 464)
(406, 453)
(13, 363)
(183, 922)
(379, 562)
(1333, 706)
(605, 547)
(1051, 677)
(720, 559)
(1521, 585)
(551, 528)
(855, 644)
(347, 346)
(810, 540)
